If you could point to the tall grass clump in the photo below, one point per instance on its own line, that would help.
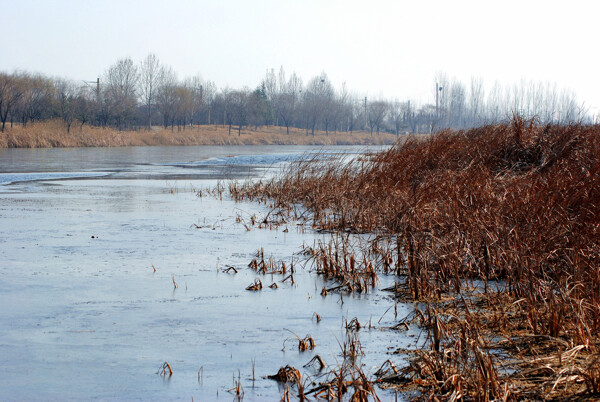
(512, 210)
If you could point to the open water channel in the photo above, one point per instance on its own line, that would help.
(84, 316)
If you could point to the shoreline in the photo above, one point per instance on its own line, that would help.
(53, 135)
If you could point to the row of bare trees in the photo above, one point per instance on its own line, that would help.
(130, 95)
(462, 106)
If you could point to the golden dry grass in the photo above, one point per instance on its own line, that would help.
(52, 134)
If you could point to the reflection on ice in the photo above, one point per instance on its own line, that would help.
(268, 160)
(8, 178)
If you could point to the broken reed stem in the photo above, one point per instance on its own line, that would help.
(287, 374)
(163, 371)
(255, 286)
(316, 361)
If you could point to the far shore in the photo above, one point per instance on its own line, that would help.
(54, 135)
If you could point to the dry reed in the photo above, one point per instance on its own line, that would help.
(52, 134)
(496, 228)
(306, 343)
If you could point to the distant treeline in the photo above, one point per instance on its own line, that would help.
(130, 96)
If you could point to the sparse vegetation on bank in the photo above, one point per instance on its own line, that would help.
(53, 134)
(495, 231)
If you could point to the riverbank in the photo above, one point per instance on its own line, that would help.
(492, 232)
(53, 134)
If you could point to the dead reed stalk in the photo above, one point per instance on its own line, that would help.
(255, 286)
(163, 370)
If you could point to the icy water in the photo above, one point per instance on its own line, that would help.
(84, 316)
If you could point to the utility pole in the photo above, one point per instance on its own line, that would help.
(97, 82)
(438, 89)
(436, 102)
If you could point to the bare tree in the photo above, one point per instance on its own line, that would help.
(411, 119)
(260, 111)
(398, 114)
(287, 101)
(344, 108)
(551, 103)
(377, 112)
(238, 103)
(120, 90)
(476, 94)
(353, 110)
(148, 84)
(85, 103)
(271, 85)
(494, 103)
(10, 93)
(209, 91)
(36, 99)
(195, 86)
(569, 110)
(183, 106)
(456, 112)
(317, 102)
(326, 102)
(66, 98)
(442, 103)
(166, 96)
(310, 105)
(425, 118)
(276, 93)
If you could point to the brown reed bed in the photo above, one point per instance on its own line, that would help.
(53, 133)
(496, 229)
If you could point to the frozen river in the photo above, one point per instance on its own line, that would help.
(83, 315)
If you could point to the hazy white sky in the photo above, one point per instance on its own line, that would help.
(387, 48)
